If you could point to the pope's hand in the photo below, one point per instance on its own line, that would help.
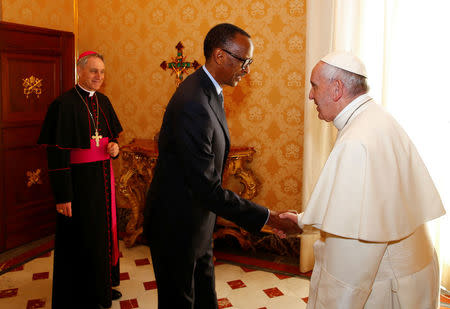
(289, 215)
(64, 209)
(113, 149)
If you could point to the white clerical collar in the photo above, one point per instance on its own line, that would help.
(218, 88)
(344, 116)
(91, 93)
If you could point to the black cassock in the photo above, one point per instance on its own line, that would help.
(84, 270)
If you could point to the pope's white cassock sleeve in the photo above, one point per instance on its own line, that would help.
(371, 202)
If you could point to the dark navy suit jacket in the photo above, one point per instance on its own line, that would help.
(186, 192)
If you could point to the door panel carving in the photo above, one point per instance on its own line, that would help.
(37, 65)
(22, 102)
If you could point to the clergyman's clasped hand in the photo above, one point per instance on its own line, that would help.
(283, 227)
(113, 149)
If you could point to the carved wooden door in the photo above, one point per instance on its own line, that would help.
(37, 65)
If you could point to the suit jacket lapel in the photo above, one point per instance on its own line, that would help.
(214, 102)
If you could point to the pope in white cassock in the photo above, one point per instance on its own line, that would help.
(371, 202)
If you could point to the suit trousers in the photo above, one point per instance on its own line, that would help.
(184, 283)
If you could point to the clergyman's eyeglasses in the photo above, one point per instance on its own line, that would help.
(245, 62)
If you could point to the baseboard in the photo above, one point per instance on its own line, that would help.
(29, 255)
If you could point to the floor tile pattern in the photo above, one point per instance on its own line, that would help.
(29, 286)
(236, 284)
(35, 303)
(39, 276)
(150, 285)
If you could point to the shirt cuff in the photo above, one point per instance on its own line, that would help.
(268, 215)
(299, 220)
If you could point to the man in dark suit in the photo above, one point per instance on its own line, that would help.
(186, 193)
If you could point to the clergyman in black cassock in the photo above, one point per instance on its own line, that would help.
(86, 264)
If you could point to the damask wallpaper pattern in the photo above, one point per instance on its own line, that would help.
(40, 13)
(265, 111)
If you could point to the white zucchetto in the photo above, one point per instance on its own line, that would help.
(346, 61)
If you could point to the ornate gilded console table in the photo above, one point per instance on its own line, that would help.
(138, 161)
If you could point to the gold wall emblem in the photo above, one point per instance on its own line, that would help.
(32, 84)
(34, 177)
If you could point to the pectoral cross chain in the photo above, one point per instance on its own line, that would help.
(97, 138)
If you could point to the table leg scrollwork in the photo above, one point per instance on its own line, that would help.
(133, 186)
(236, 167)
(138, 160)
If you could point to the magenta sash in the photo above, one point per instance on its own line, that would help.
(100, 154)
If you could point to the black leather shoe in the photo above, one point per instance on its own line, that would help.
(115, 294)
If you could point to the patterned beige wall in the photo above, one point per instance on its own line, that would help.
(52, 14)
(265, 111)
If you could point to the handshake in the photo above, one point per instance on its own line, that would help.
(284, 223)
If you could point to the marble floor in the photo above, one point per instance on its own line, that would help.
(29, 286)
